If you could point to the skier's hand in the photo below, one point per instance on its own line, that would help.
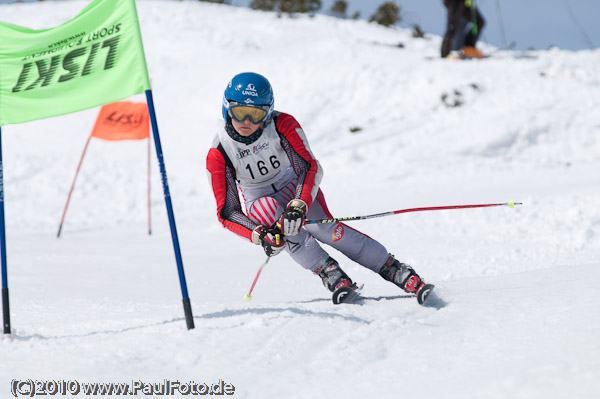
(292, 219)
(270, 239)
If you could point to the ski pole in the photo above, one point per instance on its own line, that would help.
(501, 23)
(510, 204)
(248, 296)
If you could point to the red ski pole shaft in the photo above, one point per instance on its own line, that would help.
(510, 204)
(248, 296)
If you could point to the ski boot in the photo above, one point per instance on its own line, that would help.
(471, 52)
(406, 278)
(337, 281)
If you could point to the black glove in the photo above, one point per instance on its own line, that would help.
(292, 219)
(269, 238)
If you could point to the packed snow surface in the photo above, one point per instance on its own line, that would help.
(517, 312)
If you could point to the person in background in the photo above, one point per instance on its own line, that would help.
(463, 28)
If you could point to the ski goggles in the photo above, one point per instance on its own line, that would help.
(241, 112)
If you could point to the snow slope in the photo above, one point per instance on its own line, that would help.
(518, 309)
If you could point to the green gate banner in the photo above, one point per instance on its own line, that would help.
(95, 58)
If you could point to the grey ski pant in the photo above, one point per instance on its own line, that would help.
(305, 248)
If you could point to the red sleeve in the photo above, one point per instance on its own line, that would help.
(222, 181)
(287, 126)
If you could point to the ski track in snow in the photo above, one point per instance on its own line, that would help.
(516, 312)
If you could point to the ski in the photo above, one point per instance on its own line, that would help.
(423, 293)
(490, 54)
(508, 46)
(347, 294)
(352, 294)
(459, 55)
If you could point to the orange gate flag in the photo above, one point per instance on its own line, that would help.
(122, 120)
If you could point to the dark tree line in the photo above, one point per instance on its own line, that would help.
(387, 14)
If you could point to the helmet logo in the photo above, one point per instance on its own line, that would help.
(250, 90)
(249, 101)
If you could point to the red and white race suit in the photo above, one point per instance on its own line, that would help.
(266, 174)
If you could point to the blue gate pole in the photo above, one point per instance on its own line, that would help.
(5, 306)
(187, 307)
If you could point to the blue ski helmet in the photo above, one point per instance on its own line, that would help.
(250, 89)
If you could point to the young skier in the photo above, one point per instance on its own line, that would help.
(461, 15)
(263, 156)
